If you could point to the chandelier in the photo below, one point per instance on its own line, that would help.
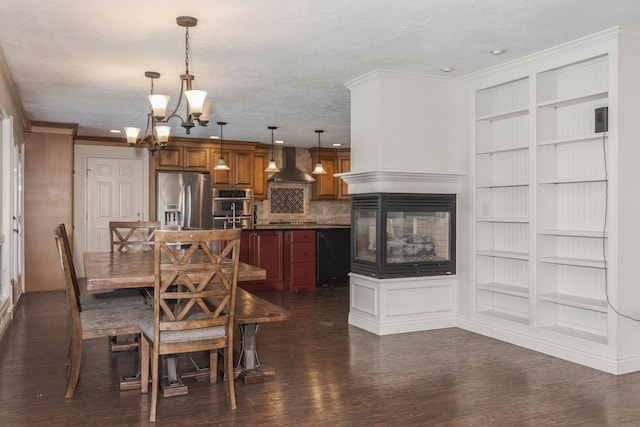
(197, 110)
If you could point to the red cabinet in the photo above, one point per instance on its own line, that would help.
(300, 260)
(263, 249)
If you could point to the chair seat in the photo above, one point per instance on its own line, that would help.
(114, 317)
(113, 298)
(146, 327)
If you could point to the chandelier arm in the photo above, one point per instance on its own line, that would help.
(174, 113)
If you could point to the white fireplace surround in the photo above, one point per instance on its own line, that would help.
(390, 306)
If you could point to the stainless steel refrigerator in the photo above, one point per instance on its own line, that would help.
(183, 200)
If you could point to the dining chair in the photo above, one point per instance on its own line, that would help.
(132, 236)
(104, 320)
(193, 303)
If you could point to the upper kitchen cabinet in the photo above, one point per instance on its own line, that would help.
(328, 187)
(239, 158)
(344, 165)
(172, 158)
(260, 177)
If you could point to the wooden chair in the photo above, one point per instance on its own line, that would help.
(132, 236)
(105, 320)
(193, 303)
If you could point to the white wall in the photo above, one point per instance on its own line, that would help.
(408, 122)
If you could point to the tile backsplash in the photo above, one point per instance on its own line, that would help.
(291, 202)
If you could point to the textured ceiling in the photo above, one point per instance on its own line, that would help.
(276, 62)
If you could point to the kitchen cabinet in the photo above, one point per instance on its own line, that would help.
(344, 165)
(300, 260)
(173, 158)
(261, 157)
(263, 249)
(328, 187)
(240, 162)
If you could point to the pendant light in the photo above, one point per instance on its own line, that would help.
(272, 168)
(319, 170)
(221, 165)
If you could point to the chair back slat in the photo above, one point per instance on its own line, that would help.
(133, 236)
(194, 287)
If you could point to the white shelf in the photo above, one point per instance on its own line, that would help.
(502, 219)
(576, 333)
(576, 262)
(502, 185)
(506, 316)
(572, 100)
(504, 115)
(575, 301)
(503, 149)
(502, 254)
(574, 233)
(503, 288)
(572, 180)
(574, 139)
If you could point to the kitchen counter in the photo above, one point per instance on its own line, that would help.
(299, 226)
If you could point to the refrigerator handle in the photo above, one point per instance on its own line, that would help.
(188, 207)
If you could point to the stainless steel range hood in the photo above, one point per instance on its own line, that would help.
(289, 171)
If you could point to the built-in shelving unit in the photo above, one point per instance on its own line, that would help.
(502, 201)
(571, 201)
(541, 197)
(556, 225)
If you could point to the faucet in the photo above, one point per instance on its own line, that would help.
(233, 214)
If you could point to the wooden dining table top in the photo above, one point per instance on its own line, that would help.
(118, 270)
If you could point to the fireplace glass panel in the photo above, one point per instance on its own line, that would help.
(365, 231)
(403, 235)
(418, 237)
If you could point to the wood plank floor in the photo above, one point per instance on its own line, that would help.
(328, 374)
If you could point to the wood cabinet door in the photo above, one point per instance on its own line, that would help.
(243, 169)
(169, 159)
(344, 165)
(196, 159)
(221, 178)
(260, 183)
(268, 251)
(326, 185)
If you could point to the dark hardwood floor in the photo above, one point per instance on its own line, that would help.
(328, 374)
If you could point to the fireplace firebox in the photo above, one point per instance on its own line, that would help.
(403, 234)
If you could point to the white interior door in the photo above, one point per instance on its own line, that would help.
(114, 185)
(17, 268)
(114, 193)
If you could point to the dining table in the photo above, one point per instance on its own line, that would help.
(120, 270)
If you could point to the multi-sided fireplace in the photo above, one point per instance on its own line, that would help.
(403, 234)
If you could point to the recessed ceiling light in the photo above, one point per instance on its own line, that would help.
(336, 144)
(497, 52)
(446, 69)
(279, 142)
(214, 137)
(114, 131)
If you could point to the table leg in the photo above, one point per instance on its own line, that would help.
(251, 370)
